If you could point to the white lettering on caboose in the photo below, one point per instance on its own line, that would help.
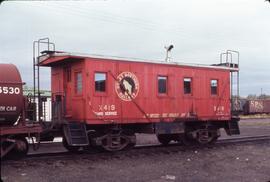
(106, 110)
(219, 110)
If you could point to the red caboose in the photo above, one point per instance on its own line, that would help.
(105, 101)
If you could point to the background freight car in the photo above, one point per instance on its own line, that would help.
(11, 97)
(257, 106)
(16, 111)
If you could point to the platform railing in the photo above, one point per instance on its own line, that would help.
(234, 75)
(37, 46)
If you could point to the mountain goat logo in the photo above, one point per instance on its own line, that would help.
(127, 86)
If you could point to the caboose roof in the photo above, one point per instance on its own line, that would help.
(51, 58)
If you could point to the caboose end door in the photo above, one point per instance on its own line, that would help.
(67, 92)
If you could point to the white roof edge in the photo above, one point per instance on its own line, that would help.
(136, 60)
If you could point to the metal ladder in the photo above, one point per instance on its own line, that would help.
(234, 75)
(37, 45)
(233, 128)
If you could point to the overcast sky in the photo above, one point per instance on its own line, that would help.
(199, 31)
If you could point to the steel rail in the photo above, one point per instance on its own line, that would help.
(223, 141)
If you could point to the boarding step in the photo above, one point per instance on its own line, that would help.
(233, 127)
(76, 134)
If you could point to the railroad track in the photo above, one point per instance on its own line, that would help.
(244, 139)
(220, 141)
(149, 149)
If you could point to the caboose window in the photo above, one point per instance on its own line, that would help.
(187, 85)
(214, 87)
(100, 82)
(162, 84)
(78, 84)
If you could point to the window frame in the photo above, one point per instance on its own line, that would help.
(76, 83)
(217, 87)
(167, 84)
(191, 86)
(106, 83)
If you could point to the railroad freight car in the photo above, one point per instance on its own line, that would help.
(15, 113)
(257, 106)
(104, 101)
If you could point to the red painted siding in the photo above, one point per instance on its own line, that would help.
(148, 105)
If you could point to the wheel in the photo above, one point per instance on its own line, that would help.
(114, 143)
(20, 148)
(186, 140)
(205, 137)
(68, 147)
(116, 140)
(164, 139)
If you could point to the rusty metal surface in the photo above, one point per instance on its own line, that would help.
(11, 96)
(266, 106)
(20, 129)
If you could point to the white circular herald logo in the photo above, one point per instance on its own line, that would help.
(127, 86)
